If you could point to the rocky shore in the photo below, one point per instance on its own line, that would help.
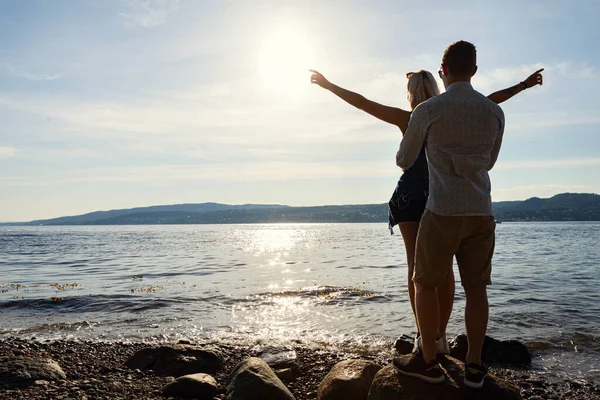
(95, 370)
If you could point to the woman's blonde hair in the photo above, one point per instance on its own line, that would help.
(421, 86)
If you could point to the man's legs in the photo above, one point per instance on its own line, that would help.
(474, 258)
(445, 295)
(476, 320)
(428, 319)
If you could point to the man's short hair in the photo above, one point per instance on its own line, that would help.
(460, 58)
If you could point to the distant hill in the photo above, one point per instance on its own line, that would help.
(115, 216)
(562, 207)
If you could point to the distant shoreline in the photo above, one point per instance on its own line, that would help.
(28, 224)
(561, 207)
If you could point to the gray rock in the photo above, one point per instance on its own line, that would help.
(196, 386)
(253, 379)
(280, 357)
(348, 380)
(22, 371)
(176, 360)
(494, 351)
(390, 385)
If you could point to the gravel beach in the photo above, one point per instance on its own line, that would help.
(96, 370)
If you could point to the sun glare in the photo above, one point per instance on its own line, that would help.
(284, 60)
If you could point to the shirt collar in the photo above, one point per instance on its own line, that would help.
(460, 85)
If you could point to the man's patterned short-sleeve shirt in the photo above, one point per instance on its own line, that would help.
(462, 133)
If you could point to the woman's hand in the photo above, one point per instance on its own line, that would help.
(319, 79)
(533, 79)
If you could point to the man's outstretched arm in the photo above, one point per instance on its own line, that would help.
(502, 95)
(413, 139)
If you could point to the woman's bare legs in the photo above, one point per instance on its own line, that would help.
(409, 232)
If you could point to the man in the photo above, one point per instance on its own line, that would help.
(462, 132)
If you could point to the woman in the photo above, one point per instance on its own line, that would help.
(408, 200)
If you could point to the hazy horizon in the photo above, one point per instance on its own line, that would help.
(126, 103)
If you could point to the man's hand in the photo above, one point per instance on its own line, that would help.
(319, 79)
(534, 79)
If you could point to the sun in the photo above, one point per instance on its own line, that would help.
(284, 59)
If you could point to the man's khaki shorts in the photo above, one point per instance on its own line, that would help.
(470, 238)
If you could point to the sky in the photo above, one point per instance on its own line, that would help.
(108, 104)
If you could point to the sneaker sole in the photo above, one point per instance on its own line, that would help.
(421, 377)
(473, 385)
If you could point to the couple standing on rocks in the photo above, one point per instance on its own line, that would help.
(442, 202)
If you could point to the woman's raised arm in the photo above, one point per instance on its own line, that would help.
(391, 115)
(505, 94)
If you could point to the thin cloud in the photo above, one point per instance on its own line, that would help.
(574, 162)
(201, 119)
(14, 71)
(149, 13)
(224, 172)
(565, 72)
(7, 152)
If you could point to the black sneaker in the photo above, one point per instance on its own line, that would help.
(414, 365)
(474, 375)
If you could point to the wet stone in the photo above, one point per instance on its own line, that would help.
(279, 357)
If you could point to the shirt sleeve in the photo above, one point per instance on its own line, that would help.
(414, 137)
(498, 143)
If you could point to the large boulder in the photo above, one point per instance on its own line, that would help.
(390, 385)
(348, 380)
(494, 351)
(22, 371)
(176, 360)
(253, 379)
(196, 386)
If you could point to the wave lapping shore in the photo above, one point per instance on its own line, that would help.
(94, 370)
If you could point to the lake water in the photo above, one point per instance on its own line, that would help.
(334, 285)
